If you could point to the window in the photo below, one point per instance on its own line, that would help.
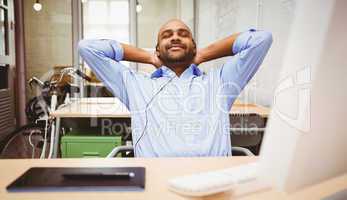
(4, 43)
(106, 19)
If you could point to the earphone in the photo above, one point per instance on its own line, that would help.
(147, 105)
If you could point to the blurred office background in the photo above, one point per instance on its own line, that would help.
(46, 35)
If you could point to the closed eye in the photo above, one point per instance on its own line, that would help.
(183, 33)
(166, 34)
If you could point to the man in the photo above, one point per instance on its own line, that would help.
(178, 110)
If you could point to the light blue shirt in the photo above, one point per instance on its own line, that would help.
(179, 116)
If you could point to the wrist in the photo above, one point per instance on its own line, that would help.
(151, 59)
(147, 57)
(200, 57)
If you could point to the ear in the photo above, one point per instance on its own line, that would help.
(157, 51)
(194, 51)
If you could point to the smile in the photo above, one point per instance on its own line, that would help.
(175, 48)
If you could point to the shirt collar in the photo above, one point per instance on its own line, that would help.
(192, 70)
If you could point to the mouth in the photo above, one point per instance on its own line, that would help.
(176, 47)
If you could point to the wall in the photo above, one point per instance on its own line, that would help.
(152, 16)
(219, 18)
(48, 36)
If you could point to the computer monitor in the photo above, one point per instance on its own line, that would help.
(306, 138)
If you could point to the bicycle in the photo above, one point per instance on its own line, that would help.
(32, 139)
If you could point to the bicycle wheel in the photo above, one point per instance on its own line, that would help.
(25, 142)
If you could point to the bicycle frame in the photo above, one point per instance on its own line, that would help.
(54, 105)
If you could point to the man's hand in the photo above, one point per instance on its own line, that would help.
(198, 59)
(155, 60)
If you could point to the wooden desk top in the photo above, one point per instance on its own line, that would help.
(94, 107)
(158, 172)
(113, 108)
(250, 108)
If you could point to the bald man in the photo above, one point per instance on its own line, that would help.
(178, 111)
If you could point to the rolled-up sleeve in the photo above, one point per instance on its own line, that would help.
(103, 57)
(249, 49)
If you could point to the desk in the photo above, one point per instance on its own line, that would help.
(93, 107)
(243, 108)
(158, 172)
(113, 108)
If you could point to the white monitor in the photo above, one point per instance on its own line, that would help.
(306, 137)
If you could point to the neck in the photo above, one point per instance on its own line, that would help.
(178, 68)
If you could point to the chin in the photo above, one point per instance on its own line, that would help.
(177, 58)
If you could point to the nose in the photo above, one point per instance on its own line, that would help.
(175, 37)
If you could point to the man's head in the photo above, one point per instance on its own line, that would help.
(175, 44)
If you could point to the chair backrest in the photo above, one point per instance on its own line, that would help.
(247, 130)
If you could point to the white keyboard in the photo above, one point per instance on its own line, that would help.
(207, 183)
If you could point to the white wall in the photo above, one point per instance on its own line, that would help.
(220, 18)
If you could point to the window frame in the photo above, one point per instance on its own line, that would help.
(8, 58)
(77, 35)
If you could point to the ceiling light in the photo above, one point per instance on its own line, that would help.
(138, 7)
(37, 6)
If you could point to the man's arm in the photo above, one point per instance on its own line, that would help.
(248, 49)
(216, 50)
(129, 52)
(135, 54)
(103, 57)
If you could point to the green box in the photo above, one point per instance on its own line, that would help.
(74, 145)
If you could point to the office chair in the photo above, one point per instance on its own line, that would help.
(246, 136)
(247, 131)
(128, 149)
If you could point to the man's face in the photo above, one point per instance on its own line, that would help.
(175, 43)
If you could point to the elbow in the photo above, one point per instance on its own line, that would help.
(266, 38)
(261, 39)
(82, 45)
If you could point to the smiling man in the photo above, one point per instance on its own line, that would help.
(178, 110)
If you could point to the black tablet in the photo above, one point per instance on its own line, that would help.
(80, 179)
